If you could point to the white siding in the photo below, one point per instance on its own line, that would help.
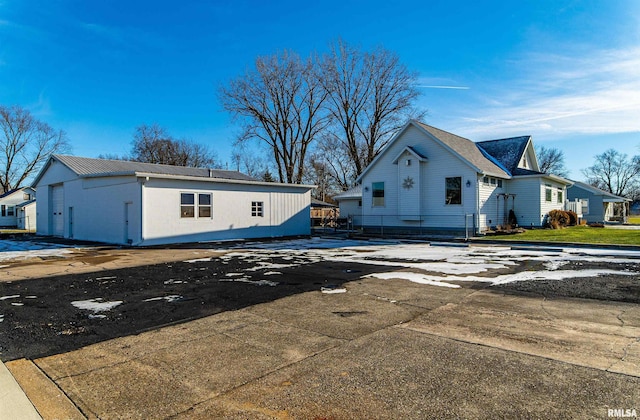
(285, 212)
(531, 205)
(492, 203)
(440, 163)
(351, 207)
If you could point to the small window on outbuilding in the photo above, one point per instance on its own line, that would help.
(257, 209)
(187, 205)
(204, 205)
(560, 196)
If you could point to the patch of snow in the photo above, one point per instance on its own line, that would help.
(271, 273)
(20, 250)
(97, 316)
(17, 304)
(413, 277)
(331, 290)
(1, 318)
(234, 274)
(96, 305)
(254, 282)
(206, 259)
(172, 281)
(169, 299)
(9, 297)
(106, 278)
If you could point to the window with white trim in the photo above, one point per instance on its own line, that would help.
(453, 190)
(187, 205)
(204, 206)
(377, 194)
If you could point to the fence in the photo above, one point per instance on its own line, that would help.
(409, 224)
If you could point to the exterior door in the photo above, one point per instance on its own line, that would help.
(128, 237)
(57, 209)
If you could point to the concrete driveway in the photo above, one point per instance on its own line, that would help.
(385, 348)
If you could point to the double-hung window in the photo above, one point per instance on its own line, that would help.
(378, 194)
(204, 205)
(548, 193)
(187, 205)
(560, 198)
(189, 202)
(453, 190)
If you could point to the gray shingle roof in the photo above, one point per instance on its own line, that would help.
(355, 192)
(467, 149)
(506, 151)
(89, 167)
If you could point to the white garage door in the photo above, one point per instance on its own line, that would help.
(57, 206)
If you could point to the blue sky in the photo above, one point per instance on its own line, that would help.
(566, 72)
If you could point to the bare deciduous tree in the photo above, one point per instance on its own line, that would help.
(615, 172)
(551, 161)
(25, 144)
(152, 144)
(371, 96)
(280, 103)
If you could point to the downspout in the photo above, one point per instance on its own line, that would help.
(477, 215)
(142, 210)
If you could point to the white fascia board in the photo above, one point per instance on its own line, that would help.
(222, 180)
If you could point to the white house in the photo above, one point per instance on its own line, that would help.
(350, 201)
(12, 207)
(599, 206)
(430, 179)
(136, 203)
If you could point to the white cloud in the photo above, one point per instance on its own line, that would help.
(595, 93)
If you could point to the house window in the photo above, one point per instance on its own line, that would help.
(548, 193)
(485, 180)
(453, 190)
(187, 205)
(378, 193)
(499, 183)
(560, 200)
(4, 210)
(359, 203)
(204, 205)
(257, 209)
(10, 211)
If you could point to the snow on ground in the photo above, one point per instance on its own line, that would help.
(20, 250)
(96, 305)
(434, 265)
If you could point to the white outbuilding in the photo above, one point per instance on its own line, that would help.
(135, 203)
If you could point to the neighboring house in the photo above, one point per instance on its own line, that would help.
(350, 202)
(599, 206)
(136, 203)
(10, 205)
(429, 179)
(26, 215)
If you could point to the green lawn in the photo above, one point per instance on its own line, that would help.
(578, 234)
(634, 220)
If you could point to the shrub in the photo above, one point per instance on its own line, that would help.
(560, 217)
(573, 218)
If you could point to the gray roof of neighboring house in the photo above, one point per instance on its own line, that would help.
(468, 150)
(506, 151)
(89, 167)
(353, 193)
(598, 191)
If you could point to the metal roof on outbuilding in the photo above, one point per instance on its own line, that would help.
(90, 167)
